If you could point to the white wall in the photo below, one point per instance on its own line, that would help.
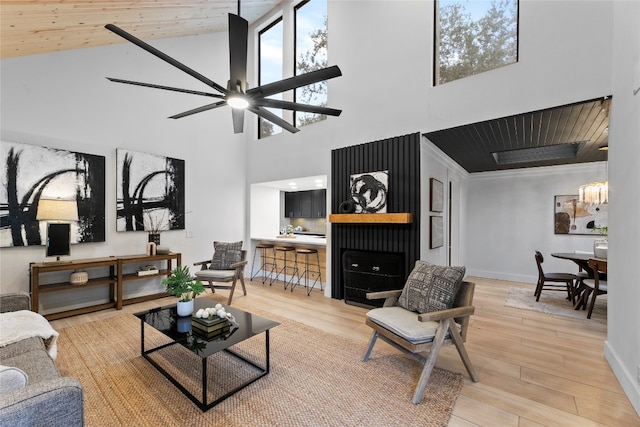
(63, 100)
(622, 348)
(518, 218)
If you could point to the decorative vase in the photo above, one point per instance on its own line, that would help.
(184, 324)
(600, 247)
(185, 308)
(154, 238)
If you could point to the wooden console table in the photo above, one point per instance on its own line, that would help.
(115, 280)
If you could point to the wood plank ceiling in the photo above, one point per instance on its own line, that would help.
(31, 27)
(578, 130)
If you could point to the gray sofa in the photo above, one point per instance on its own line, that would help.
(48, 399)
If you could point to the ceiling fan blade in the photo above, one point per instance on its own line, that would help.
(268, 115)
(306, 108)
(199, 110)
(174, 89)
(238, 119)
(295, 82)
(238, 30)
(152, 50)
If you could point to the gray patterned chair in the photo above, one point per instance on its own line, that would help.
(225, 268)
(32, 391)
(432, 310)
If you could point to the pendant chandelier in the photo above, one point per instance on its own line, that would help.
(595, 193)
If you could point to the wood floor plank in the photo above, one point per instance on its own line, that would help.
(534, 369)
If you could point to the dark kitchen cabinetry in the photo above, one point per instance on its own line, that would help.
(319, 203)
(305, 204)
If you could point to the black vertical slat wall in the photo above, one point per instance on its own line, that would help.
(401, 157)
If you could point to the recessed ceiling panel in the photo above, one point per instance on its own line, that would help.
(582, 126)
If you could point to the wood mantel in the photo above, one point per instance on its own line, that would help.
(373, 218)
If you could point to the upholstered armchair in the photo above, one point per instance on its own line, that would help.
(225, 268)
(432, 310)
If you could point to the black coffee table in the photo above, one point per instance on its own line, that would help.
(179, 331)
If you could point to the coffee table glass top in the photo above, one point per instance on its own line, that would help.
(167, 321)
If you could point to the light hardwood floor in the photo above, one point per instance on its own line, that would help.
(535, 369)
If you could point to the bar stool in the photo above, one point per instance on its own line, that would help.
(285, 266)
(308, 269)
(267, 260)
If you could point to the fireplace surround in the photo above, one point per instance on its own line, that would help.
(400, 156)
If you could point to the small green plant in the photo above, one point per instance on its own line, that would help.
(601, 229)
(182, 285)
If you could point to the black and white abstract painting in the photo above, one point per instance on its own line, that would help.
(369, 191)
(32, 172)
(150, 192)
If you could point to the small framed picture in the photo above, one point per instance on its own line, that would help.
(436, 199)
(436, 228)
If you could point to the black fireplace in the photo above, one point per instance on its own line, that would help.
(400, 156)
(369, 271)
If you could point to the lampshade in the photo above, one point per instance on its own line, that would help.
(595, 193)
(57, 210)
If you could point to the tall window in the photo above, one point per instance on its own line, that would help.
(474, 36)
(270, 54)
(310, 55)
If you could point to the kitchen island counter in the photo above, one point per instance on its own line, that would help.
(295, 240)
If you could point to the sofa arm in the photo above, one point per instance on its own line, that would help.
(58, 402)
(15, 301)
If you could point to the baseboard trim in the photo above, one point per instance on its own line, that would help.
(625, 378)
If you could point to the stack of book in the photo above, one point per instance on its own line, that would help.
(210, 328)
(148, 270)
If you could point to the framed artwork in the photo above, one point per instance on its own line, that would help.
(573, 217)
(150, 192)
(369, 191)
(33, 172)
(436, 228)
(436, 199)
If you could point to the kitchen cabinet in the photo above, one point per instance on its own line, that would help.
(291, 204)
(319, 203)
(305, 204)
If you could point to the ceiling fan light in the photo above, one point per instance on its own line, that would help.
(238, 102)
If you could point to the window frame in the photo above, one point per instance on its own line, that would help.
(279, 19)
(436, 46)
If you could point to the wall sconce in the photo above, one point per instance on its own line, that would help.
(58, 233)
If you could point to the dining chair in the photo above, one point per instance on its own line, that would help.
(552, 281)
(594, 286)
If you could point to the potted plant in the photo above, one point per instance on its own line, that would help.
(184, 286)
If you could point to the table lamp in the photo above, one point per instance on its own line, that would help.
(58, 233)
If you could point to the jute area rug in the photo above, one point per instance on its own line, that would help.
(554, 302)
(316, 379)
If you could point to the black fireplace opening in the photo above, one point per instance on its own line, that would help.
(370, 271)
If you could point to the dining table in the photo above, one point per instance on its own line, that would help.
(582, 260)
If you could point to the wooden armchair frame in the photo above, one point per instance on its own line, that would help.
(223, 276)
(453, 327)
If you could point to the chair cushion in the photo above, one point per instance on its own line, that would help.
(404, 323)
(431, 287)
(602, 284)
(216, 275)
(12, 378)
(225, 254)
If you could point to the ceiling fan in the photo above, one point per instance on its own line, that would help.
(236, 94)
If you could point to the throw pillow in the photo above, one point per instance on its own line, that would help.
(12, 378)
(225, 254)
(430, 287)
